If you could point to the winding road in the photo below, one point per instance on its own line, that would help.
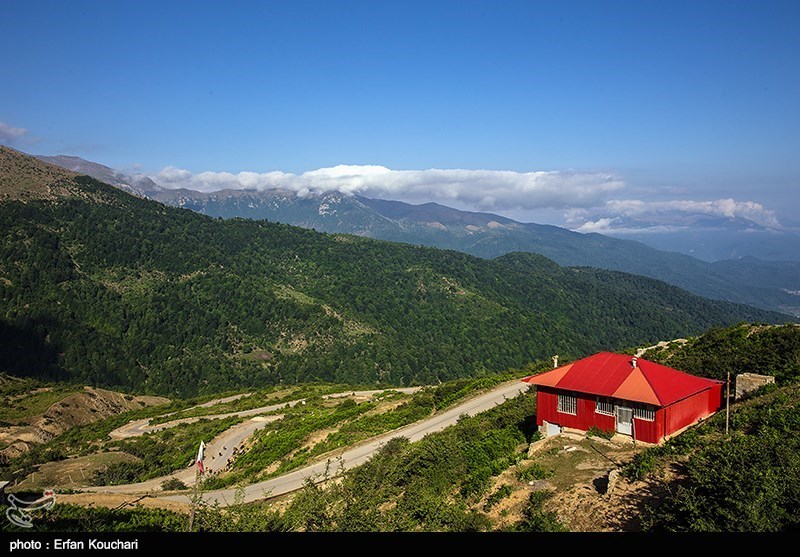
(341, 460)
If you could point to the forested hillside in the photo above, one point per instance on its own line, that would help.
(710, 478)
(113, 290)
(740, 474)
(741, 348)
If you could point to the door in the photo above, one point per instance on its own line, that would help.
(624, 420)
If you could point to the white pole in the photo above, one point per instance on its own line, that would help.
(194, 497)
(728, 403)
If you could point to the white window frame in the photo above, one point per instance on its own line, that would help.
(567, 404)
(605, 402)
(644, 412)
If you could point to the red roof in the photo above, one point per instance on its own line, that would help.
(614, 375)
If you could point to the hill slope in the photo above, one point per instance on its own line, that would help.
(119, 291)
(773, 285)
(487, 235)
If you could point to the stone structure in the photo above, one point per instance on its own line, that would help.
(746, 382)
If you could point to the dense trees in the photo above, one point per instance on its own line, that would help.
(117, 291)
(749, 479)
(742, 348)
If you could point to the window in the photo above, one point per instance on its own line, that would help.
(568, 404)
(604, 406)
(644, 412)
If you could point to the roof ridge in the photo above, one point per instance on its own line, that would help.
(647, 378)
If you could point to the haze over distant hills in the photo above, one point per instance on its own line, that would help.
(751, 270)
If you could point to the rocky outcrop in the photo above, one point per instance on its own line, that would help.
(76, 409)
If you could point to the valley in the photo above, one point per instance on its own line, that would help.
(752, 266)
(132, 330)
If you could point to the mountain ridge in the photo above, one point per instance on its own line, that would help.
(485, 235)
(120, 291)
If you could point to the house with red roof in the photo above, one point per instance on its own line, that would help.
(624, 394)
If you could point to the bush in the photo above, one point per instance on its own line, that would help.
(538, 520)
(534, 471)
(173, 484)
(595, 431)
(502, 492)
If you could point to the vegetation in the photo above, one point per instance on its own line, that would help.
(22, 399)
(260, 398)
(741, 348)
(73, 518)
(536, 518)
(745, 481)
(595, 431)
(431, 485)
(281, 446)
(173, 484)
(749, 479)
(731, 279)
(107, 289)
(102, 288)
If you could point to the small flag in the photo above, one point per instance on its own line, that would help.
(200, 454)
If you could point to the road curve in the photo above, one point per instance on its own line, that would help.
(355, 456)
(220, 449)
(140, 427)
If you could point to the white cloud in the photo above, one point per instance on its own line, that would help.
(10, 135)
(585, 199)
(629, 215)
(600, 225)
(478, 189)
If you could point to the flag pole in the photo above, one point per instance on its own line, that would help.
(728, 403)
(199, 469)
(194, 497)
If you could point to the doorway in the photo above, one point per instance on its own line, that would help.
(624, 420)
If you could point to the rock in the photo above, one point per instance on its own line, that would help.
(613, 477)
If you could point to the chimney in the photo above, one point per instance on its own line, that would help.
(633, 361)
(555, 361)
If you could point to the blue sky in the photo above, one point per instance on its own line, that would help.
(568, 105)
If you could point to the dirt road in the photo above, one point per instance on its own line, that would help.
(220, 449)
(355, 456)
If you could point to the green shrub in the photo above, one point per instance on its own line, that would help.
(173, 484)
(502, 492)
(538, 520)
(595, 431)
(533, 471)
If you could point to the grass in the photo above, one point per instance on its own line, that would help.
(307, 433)
(72, 472)
(22, 408)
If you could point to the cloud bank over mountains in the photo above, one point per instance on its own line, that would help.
(484, 190)
(634, 215)
(585, 201)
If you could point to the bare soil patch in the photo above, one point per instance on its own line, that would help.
(119, 501)
(578, 469)
(71, 473)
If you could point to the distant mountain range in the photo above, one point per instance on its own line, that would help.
(708, 237)
(103, 287)
(761, 282)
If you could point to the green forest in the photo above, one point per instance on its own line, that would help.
(98, 287)
(746, 479)
(103, 288)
